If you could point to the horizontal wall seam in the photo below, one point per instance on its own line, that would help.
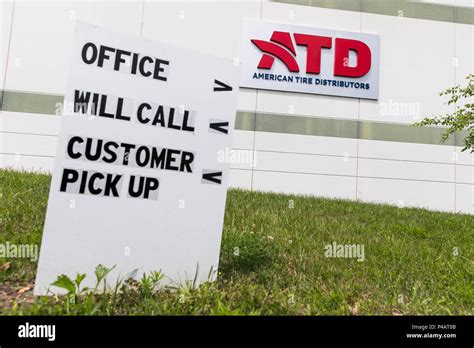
(243, 169)
(300, 153)
(396, 8)
(354, 177)
(360, 157)
(50, 104)
(27, 133)
(26, 155)
(302, 173)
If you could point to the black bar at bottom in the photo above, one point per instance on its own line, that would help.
(412, 330)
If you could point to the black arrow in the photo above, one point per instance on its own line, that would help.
(220, 126)
(215, 177)
(222, 86)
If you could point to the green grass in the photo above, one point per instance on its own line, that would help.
(410, 265)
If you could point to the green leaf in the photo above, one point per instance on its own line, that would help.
(462, 119)
(101, 273)
(79, 278)
(64, 282)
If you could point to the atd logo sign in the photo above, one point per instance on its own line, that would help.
(314, 44)
(309, 60)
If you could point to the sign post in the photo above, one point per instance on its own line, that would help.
(137, 183)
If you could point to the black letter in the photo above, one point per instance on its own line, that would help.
(119, 115)
(108, 151)
(186, 160)
(69, 176)
(142, 66)
(126, 153)
(103, 105)
(103, 55)
(140, 110)
(158, 69)
(119, 59)
(84, 53)
(81, 101)
(151, 184)
(70, 147)
(185, 122)
(131, 184)
(93, 190)
(170, 120)
(98, 148)
(111, 185)
(170, 159)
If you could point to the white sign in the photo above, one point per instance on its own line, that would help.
(293, 58)
(137, 182)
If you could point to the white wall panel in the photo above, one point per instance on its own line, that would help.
(42, 34)
(465, 198)
(25, 144)
(240, 159)
(240, 179)
(310, 16)
(6, 11)
(464, 157)
(416, 63)
(465, 174)
(247, 99)
(305, 144)
(211, 27)
(305, 184)
(465, 65)
(243, 140)
(27, 163)
(407, 193)
(406, 151)
(464, 58)
(406, 170)
(298, 163)
(464, 53)
(307, 104)
(20, 122)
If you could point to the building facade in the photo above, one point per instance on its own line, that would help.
(331, 146)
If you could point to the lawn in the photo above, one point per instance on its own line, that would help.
(273, 260)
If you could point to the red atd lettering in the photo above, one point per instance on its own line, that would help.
(341, 58)
(281, 47)
(313, 44)
(285, 54)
